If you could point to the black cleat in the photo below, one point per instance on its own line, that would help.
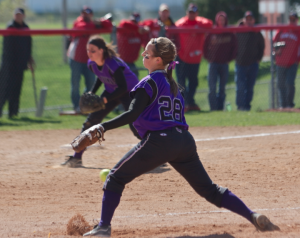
(262, 223)
(72, 162)
(99, 231)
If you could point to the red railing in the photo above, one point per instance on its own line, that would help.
(53, 32)
(258, 27)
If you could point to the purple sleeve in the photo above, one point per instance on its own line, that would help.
(142, 84)
(90, 65)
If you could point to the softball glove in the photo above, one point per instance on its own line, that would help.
(88, 137)
(89, 103)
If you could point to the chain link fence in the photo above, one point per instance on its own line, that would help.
(51, 79)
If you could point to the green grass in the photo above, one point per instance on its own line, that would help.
(52, 72)
(199, 119)
(237, 118)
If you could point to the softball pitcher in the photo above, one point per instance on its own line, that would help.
(118, 80)
(157, 112)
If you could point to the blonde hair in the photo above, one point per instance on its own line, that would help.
(109, 50)
(166, 50)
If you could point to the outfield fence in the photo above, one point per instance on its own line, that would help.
(52, 76)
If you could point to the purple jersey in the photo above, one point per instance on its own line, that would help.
(106, 74)
(164, 110)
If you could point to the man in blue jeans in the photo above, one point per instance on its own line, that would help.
(219, 49)
(286, 51)
(286, 85)
(216, 97)
(250, 51)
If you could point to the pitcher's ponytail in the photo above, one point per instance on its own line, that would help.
(166, 50)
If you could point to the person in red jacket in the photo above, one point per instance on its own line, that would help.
(219, 49)
(286, 49)
(78, 56)
(129, 40)
(190, 53)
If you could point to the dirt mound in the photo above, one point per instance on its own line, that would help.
(38, 196)
(77, 225)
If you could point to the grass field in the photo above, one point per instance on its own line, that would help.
(194, 119)
(52, 72)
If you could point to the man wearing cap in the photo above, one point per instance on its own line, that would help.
(250, 51)
(157, 26)
(286, 50)
(190, 53)
(16, 57)
(78, 56)
(129, 38)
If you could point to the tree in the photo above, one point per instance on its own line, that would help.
(235, 9)
(295, 6)
(294, 1)
(7, 8)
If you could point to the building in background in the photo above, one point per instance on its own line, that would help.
(119, 8)
(272, 12)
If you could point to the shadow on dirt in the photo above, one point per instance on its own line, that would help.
(209, 236)
(21, 121)
(84, 167)
(161, 169)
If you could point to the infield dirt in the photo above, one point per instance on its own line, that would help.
(38, 196)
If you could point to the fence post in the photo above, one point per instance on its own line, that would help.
(41, 105)
(272, 84)
(64, 22)
(113, 37)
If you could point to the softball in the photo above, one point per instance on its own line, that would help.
(103, 174)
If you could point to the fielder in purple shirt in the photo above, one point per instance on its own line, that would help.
(157, 110)
(105, 74)
(118, 81)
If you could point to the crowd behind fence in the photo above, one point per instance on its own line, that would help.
(51, 79)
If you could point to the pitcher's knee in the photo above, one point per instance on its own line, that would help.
(113, 184)
(213, 194)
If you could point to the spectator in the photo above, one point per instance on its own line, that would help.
(157, 26)
(164, 16)
(190, 53)
(219, 49)
(286, 49)
(130, 40)
(16, 57)
(250, 51)
(78, 56)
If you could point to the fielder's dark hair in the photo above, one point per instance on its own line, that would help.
(108, 49)
(166, 50)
